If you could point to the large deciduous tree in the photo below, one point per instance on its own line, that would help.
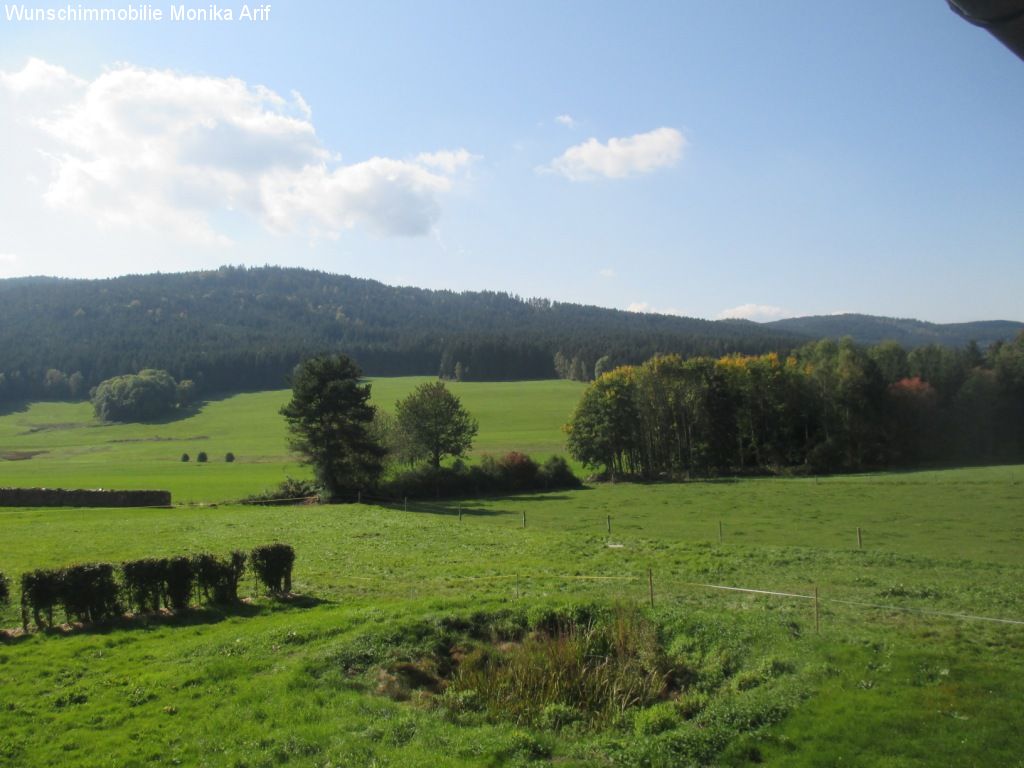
(432, 424)
(330, 421)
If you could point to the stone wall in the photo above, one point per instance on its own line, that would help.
(59, 497)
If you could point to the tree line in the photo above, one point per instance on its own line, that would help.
(828, 406)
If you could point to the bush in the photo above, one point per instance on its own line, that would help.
(144, 583)
(290, 491)
(217, 578)
(184, 457)
(272, 565)
(40, 593)
(229, 457)
(89, 592)
(202, 457)
(178, 583)
(555, 473)
(5, 590)
(517, 471)
(512, 473)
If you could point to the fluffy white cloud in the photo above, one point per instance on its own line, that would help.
(566, 120)
(607, 272)
(755, 312)
(643, 306)
(38, 75)
(630, 156)
(447, 161)
(170, 152)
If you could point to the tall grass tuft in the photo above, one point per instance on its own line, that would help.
(600, 667)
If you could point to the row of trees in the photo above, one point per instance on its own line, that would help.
(829, 406)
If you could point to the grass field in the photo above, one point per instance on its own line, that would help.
(889, 680)
(76, 451)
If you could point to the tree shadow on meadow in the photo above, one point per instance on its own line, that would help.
(193, 617)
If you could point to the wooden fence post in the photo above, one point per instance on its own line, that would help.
(860, 541)
(650, 584)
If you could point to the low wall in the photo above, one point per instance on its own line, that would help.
(59, 497)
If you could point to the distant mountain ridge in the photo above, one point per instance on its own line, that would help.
(872, 329)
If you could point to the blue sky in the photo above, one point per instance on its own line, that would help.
(707, 159)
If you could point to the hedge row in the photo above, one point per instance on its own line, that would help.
(91, 592)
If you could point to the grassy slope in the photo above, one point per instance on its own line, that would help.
(888, 688)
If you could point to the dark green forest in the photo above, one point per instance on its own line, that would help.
(237, 329)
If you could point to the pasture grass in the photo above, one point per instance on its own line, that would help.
(62, 445)
(886, 681)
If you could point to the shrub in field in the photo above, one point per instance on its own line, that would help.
(5, 590)
(184, 457)
(555, 473)
(89, 592)
(514, 472)
(178, 582)
(229, 457)
(144, 583)
(202, 457)
(40, 594)
(290, 491)
(217, 578)
(272, 565)
(517, 471)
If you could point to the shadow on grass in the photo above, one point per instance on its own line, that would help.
(200, 616)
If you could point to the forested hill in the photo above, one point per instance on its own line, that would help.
(868, 329)
(237, 328)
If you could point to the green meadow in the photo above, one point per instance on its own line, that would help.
(894, 665)
(61, 445)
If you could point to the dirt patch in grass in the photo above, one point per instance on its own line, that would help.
(19, 455)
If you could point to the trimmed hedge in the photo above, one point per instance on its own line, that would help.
(144, 583)
(179, 582)
(90, 592)
(272, 565)
(40, 593)
(217, 578)
(5, 590)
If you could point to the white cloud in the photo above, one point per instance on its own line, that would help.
(607, 272)
(168, 152)
(447, 161)
(566, 120)
(630, 156)
(8, 258)
(644, 307)
(38, 75)
(755, 312)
